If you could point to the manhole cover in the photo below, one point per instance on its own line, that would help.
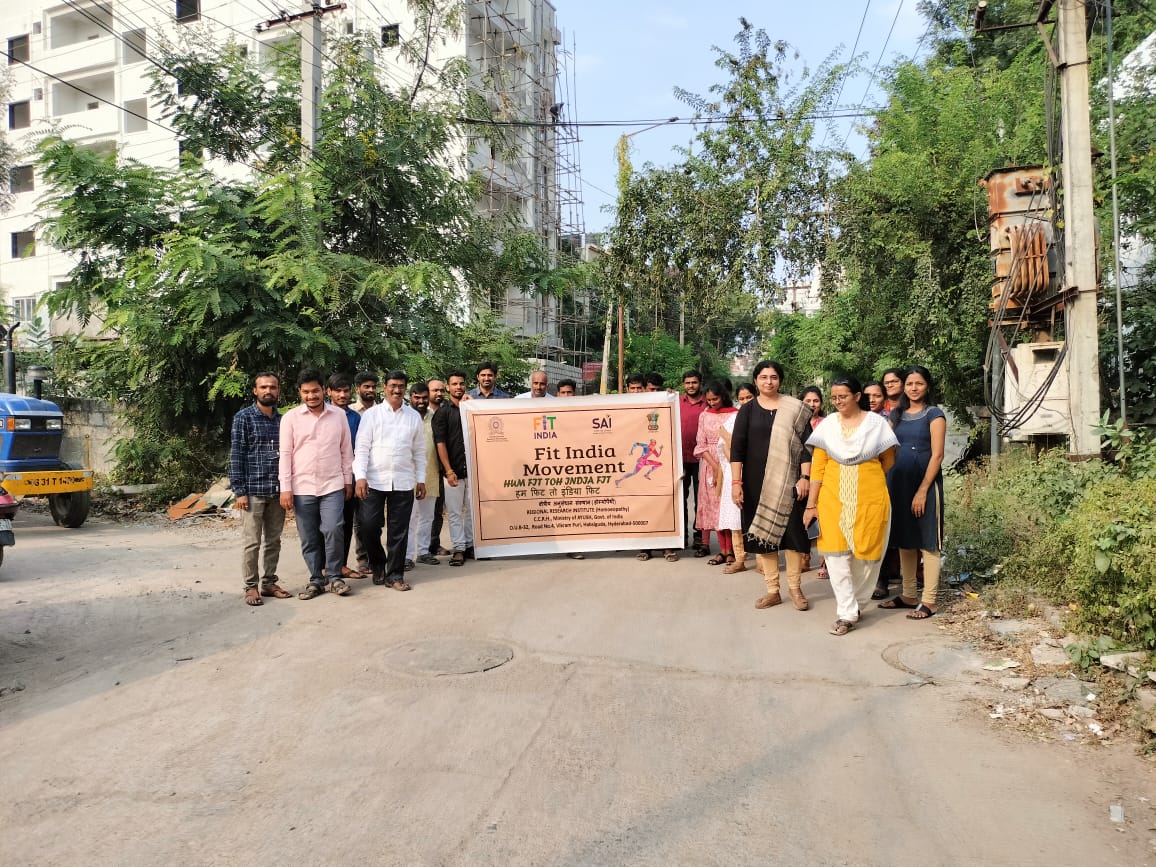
(438, 656)
(932, 658)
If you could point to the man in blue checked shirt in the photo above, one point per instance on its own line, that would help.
(253, 455)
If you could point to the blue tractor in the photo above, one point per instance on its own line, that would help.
(31, 434)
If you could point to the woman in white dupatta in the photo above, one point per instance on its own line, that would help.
(852, 450)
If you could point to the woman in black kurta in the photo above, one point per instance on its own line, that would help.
(771, 471)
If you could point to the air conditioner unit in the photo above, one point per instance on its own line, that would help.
(1032, 363)
(93, 105)
(36, 28)
(38, 93)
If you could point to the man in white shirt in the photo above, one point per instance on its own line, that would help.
(389, 465)
(539, 385)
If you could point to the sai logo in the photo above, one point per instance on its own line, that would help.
(652, 421)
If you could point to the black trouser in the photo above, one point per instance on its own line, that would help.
(690, 479)
(378, 508)
(350, 511)
(435, 529)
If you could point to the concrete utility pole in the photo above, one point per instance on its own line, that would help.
(311, 41)
(1079, 228)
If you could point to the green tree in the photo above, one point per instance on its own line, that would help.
(366, 255)
(696, 247)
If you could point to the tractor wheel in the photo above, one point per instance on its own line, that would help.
(70, 510)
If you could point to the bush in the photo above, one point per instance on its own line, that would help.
(1112, 578)
(990, 516)
(1082, 534)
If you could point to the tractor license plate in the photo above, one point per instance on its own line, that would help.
(5, 524)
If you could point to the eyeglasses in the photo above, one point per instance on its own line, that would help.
(841, 397)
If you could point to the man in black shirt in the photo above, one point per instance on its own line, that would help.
(451, 448)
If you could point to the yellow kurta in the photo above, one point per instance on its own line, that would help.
(853, 505)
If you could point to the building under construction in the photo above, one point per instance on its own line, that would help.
(97, 52)
(529, 165)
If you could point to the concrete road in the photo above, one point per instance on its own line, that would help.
(648, 714)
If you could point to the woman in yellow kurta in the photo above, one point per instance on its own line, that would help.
(852, 451)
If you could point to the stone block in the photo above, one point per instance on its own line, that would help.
(1122, 661)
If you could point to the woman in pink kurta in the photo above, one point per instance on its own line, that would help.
(719, 407)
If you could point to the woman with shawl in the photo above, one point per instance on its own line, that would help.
(853, 449)
(719, 407)
(771, 469)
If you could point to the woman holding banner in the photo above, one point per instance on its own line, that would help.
(771, 469)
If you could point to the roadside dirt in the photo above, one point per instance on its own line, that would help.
(618, 713)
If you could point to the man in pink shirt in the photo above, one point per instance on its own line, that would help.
(690, 406)
(316, 477)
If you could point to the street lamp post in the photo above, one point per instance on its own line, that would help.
(624, 172)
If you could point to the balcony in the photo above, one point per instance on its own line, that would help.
(90, 54)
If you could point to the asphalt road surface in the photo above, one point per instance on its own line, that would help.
(538, 711)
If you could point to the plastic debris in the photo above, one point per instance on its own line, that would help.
(1000, 664)
(1116, 813)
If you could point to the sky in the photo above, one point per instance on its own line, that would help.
(629, 55)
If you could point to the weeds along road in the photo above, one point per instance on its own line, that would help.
(627, 713)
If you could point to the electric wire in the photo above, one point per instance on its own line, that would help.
(875, 68)
(851, 60)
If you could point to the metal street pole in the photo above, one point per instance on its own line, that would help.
(624, 172)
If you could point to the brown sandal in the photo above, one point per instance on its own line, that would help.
(842, 627)
(275, 592)
(252, 597)
(769, 601)
(400, 585)
(338, 587)
(716, 560)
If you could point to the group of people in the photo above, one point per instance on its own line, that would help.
(859, 482)
(764, 471)
(350, 469)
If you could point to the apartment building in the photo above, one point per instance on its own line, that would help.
(83, 66)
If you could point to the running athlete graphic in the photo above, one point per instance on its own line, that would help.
(646, 459)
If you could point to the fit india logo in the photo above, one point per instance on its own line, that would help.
(543, 427)
(652, 421)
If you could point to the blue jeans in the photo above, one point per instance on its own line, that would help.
(321, 526)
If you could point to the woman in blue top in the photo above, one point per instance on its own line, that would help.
(916, 487)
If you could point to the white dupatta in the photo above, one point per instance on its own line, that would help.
(870, 439)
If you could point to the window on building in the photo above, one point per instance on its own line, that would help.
(24, 309)
(18, 49)
(23, 244)
(19, 115)
(390, 35)
(134, 46)
(188, 10)
(22, 179)
(136, 115)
